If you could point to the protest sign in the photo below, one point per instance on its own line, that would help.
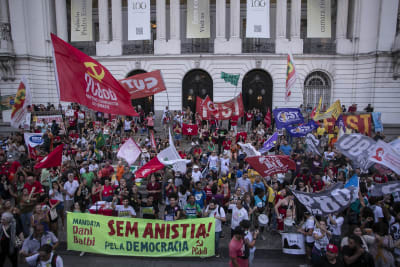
(140, 237)
(287, 116)
(362, 123)
(335, 199)
(293, 243)
(47, 120)
(385, 189)
(384, 154)
(220, 110)
(302, 130)
(269, 165)
(356, 147)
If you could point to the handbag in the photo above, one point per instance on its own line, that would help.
(53, 214)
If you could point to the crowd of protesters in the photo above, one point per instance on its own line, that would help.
(218, 183)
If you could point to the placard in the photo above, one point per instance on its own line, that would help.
(139, 27)
(198, 19)
(318, 18)
(257, 19)
(81, 21)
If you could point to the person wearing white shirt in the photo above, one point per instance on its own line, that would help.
(213, 161)
(93, 166)
(244, 183)
(239, 213)
(196, 174)
(217, 212)
(225, 163)
(335, 223)
(124, 210)
(45, 257)
(70, 188)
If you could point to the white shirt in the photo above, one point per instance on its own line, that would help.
(249, 236)
(238, 215)
(336, 229)
(309, 224)
(82, 170)
(244, 184)
(93, 167)
(32, 260)
(378, 213)
(225, 165)
(196, 176)
(71, 189)
(125, 212)
(213, 160)
(127, 125)
(320, 243)
(58, 195)
(218, 211)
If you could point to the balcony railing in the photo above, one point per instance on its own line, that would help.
(138, 48)
(319, 46)
(197, 46)
(258, 46)
(89, 48)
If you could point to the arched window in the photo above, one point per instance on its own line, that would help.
(196, 82)
(257, 90)
(146, 103)
(316, 85)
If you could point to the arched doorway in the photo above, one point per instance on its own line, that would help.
(147, 103)
(316, 85)
(257, 90)
(196, 83)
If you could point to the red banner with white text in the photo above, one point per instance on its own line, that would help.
(270, 165)
(220, 110)
(144, 84)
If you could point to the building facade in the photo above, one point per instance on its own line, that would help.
(359, 64)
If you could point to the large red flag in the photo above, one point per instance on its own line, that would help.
(82, 79)
(190, 129)
(51, 160)
(144, 84)
(267, 118)
(269, 165)
(220, 110)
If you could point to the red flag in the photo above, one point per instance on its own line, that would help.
(190, 129)
(313, 112)
(145, 84)
(270, 165)
(152, 166)
(267, 118)
(51, 160)
(82, 79)
(152, 140)
(221, 110)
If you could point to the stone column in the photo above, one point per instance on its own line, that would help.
(174, 44)
(220, 27)
(61, 19)
(104, 28)
(281, 42)
(235, 43)
(343, 45)
(161, 38)
(116, 25)
(296, 44)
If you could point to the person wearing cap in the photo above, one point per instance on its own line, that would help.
(237, 257)
(45, 257)
(196, 174)
(331, 258)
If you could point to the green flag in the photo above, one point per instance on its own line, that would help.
(100, 140)
(230, 78)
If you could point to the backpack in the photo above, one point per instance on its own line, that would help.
(53, 260)
(246, 252)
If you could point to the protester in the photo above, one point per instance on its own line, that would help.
(237, 257)
(216, 211)
(11, 237)
(45, 257)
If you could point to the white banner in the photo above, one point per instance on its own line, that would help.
(318, 18)
(257, 19)
(293, 243)
(198, 19)
(384, 154)
(139, 20)
(81, 21)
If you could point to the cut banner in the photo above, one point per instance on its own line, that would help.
(22, 100)
(287, 116)
(129, 151)
(140, 237)
(388, 188)
(384, 154)
(144, 84)
(83, 80)
(302, 130)
(32, 140)
(335, 199)
(270, 165)
(220, 110)
(357, 148)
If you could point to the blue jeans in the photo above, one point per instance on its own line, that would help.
(217, 236)
(26, 222)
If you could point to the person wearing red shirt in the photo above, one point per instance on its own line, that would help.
(380, 179)
(234, 122)
(226, 144)
(213, 123)
(236, 249)
(197, 151)
(318, 185)
(242, 136)
(154, 189)
(249, 119)
(31, 183)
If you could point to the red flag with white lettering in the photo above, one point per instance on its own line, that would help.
(51, 160)
(83, 80)
(144, 84)
(220, 110)
(189, 129)
(270, 165)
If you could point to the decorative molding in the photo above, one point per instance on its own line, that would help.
(7, 67)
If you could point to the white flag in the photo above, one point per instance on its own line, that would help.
(249, 150)
(396, 145)
(385, 155)
(129, 151)
(170, 156)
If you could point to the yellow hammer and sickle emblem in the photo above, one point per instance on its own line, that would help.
(94, 73)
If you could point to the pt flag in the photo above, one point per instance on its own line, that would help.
(190, 129)
(83, 80)
(383, 153)
(290, 76)
(51, 160)
(270, 165)
(22, 100)
(144, 84)
(220, 110)
(129, 151)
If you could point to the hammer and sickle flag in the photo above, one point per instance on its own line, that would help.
(83, 80)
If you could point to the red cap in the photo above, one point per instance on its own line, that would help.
(332, 248)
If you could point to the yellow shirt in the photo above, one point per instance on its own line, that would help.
(252, 175)
(320, 131)
(271, 195)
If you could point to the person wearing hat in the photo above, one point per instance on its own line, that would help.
(237, 257)
(331, 258)
(196, 174)
(45, 257)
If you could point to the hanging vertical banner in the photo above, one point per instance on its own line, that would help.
(318, 18)
(257, 19)
(81, 21)
(139, 20)
(198, 19)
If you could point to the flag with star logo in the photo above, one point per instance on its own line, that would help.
(290, 76)
(190, 129)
